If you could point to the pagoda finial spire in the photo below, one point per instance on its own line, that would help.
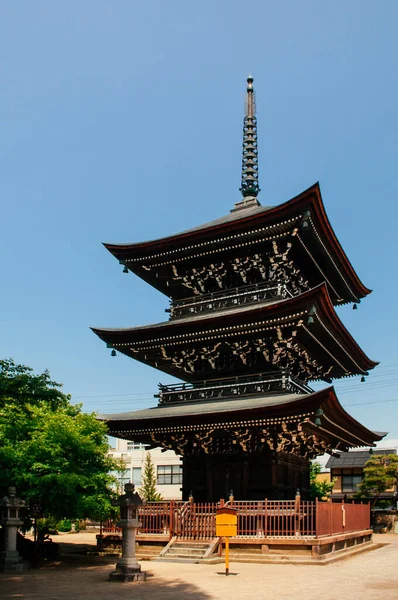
(250, 187)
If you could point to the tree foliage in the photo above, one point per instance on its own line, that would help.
(319, 489)
(379, 475)
(53, 453)
(148, 490)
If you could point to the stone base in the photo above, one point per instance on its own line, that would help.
(13, 564)
(127, 574)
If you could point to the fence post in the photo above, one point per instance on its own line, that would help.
(297, 503)
(316, 518)
(266, 518)
(171, 518)
(343, 516)
(194, 523)
(331, 517)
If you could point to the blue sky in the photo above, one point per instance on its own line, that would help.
(122, 121)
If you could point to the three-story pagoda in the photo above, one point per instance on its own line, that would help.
(252, 322)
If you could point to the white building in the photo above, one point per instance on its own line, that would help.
(167, 465)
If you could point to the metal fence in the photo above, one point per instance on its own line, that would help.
(256, 519)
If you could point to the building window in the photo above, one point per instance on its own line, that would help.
(136, 475)
(122, 478)
(350, 483)
(169, 474)
(135, 446)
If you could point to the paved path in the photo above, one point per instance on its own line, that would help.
(369, 576)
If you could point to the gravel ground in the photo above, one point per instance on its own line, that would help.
(368, 576)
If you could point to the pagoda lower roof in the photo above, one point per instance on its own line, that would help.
(326, 337)
(337, 427)
(248, 223)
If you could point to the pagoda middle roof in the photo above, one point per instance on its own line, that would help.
(246, 223)
(328, 332)
(337, 423)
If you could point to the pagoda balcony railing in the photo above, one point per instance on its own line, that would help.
(276, 381)
(257, 292)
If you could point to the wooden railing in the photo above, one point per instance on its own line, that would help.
(256, 519)
(197, 521)
(341, 517)
(275, 518)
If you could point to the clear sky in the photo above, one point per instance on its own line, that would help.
(122, 121)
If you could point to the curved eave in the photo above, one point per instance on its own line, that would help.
(327, 229)
(337, 425)
(336, 415)
(310, 199)
(324, 301)
(317, 297)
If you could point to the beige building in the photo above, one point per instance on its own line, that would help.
(167, 466)
(347, 470)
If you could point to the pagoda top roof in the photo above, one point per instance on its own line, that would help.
(247, 210)
(248, 221)
(336, 422)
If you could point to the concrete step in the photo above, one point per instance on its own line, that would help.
(187, 551)
(191, 544)
(178, 559)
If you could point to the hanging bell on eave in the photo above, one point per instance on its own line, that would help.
(318, 414)
(125, 269)
(363, 379)
(311, 312)
(305, 224)
(113, 353)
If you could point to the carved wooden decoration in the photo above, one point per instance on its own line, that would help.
(287, 438)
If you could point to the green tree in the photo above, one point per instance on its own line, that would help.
(319, 489)
(148, 490)
(380, 474)
(20, 385)
(54, 454)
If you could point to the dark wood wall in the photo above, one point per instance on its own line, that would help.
(253, 476)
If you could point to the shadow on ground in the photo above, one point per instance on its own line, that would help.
(80, 577)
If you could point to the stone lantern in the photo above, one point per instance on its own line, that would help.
(10, 520)
(127, 568)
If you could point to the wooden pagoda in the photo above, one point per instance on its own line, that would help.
(252, 322)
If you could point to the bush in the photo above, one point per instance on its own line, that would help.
(80, 526)
(49, 523)
(64, 525)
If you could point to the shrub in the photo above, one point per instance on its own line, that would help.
(64, 525)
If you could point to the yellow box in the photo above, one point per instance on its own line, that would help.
(226, 522)
(226, 518)
(226, 530)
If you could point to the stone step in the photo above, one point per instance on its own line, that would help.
(188, 544)
(178, 559)
(187, 551)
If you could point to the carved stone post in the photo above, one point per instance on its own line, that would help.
(10, 520)
(127, 568)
